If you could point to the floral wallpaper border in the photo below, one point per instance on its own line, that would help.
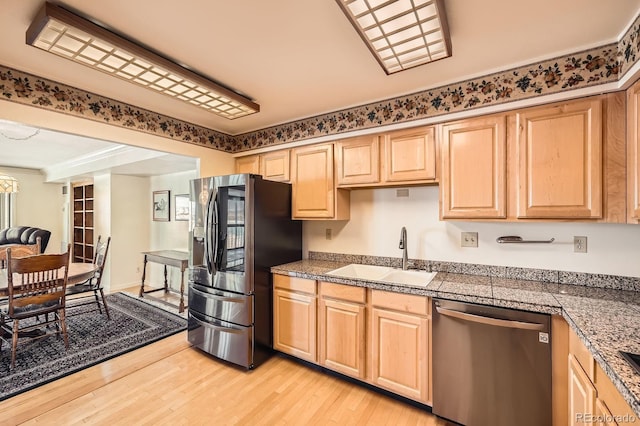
(28, 89)
(629, 46)
(591, 67)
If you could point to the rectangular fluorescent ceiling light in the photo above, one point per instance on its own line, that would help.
(70, 36)
(401, 34)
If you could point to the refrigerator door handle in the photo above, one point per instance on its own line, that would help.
(218, 297)
(521, 325)
(216, 248)
(209, 248)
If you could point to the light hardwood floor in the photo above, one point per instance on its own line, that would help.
(169, 382)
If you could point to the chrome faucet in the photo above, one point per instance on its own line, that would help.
(403, 246)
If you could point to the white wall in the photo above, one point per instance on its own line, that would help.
(39, 204)
(377, 216)
(172, 235)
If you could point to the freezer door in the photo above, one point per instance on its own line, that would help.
(227, 341)
(222, 305)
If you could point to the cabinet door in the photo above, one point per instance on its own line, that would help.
(358, 161)
(633, 153)
(559, 151)
(473, 178)
(399, 353)
(410, 155)
(294, 324)
(312, 169)
(275, 165)
(250, 164)
(581, 394)
(603, 415)
(342, 337)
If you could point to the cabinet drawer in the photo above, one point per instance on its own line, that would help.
(401, 302)
(582, 355)
(343, 292)
(294, 284)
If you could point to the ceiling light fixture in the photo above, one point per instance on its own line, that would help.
(401, 34)
(8, 184)
(70, 36)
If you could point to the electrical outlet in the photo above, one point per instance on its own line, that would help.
(403, 192)
(469, 239)
(580, 244)
(327, 233)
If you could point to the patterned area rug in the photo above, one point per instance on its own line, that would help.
(92, 339)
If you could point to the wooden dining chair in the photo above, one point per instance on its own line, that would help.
(93, 284)
(19, 250)
(37, 285)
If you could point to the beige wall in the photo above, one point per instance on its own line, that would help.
(39, 204)
(377, 216)
(125, 221)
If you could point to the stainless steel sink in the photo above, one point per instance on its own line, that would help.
(384, 274)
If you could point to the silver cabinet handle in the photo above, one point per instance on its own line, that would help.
(490, 321)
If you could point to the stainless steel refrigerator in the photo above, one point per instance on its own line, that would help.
(240, 226)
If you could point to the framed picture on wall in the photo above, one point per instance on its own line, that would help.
(181, 202)
(161, 204)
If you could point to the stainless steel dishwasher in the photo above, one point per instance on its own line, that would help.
(491, 366)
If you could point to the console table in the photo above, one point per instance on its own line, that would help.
(175, 258)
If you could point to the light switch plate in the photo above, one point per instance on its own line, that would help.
(469, 239)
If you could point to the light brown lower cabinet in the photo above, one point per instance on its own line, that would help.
(294, 317)
(401, 344)
(379, 337)
(593, 398)
(341, 328)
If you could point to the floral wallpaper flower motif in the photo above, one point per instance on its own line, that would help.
(629, 47)
(592, 67)
(17, 86)
(595, 66)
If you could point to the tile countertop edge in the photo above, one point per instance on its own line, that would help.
(316, 270)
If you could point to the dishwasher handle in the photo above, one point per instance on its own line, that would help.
(490, 321)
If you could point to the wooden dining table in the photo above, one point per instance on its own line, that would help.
(78, 273)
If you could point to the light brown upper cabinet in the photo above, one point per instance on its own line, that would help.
(559, 160)
(472, 183)
(314, 193)
(271, 165)
(249, 164)
(275, 165)
(563, 161)
(410, 155)
(358, 161)
(405, 157)
(633, 153)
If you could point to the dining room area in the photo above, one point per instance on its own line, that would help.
(64, 305)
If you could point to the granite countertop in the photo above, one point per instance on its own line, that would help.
(606, 320)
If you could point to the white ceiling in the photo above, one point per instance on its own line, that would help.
(303, 58)
(64, 157)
